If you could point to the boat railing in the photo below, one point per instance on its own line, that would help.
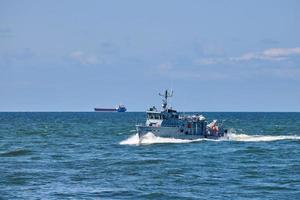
(192, 117)
(140, 124)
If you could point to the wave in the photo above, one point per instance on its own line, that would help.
(150, 138)
(15, 152)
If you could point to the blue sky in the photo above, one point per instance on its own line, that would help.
(216, 55)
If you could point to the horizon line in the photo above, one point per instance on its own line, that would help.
(70, 111)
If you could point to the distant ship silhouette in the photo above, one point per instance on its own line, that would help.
(119, 108)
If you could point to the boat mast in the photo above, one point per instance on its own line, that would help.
(166, 95)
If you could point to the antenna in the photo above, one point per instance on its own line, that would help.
(166, 95)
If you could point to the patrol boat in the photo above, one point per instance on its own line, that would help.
(169, 123)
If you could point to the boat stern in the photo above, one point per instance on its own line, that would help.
(141, 130)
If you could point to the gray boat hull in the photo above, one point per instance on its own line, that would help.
(175, 132)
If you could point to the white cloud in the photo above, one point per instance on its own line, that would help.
(279, 52)
(273, 54)
(224, 68)
(84, 59)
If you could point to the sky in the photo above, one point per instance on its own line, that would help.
(68, 55)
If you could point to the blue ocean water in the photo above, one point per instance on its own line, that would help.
(97, 156)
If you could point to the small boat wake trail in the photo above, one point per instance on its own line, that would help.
(150, 138)
(260, 138)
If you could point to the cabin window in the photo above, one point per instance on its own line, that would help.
(156, 116)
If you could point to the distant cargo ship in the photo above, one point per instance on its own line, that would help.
(119, 108)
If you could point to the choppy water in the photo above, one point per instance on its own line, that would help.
(98, 156)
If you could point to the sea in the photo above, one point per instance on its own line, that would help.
(94, 155)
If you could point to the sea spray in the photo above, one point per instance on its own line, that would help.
(150, 138)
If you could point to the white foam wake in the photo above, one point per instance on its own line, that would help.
(150, 138)
(260, 138)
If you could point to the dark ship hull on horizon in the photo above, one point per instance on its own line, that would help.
(120, 108)
(105, 109)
